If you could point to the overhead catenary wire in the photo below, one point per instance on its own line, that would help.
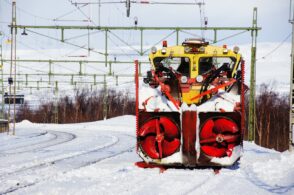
(95, 68)
(291, 11)
(91, 21)
(65, 42)
(129, 54)
(195, 35)
(128, 4)
(83, 35)
(64, 67)
(273, 50)
(121, 40)
(30, 68)
(202, 15)
(39, 51)
(29, 13)
(231, 36)
(124, 69)
(68, 54)
(81, 11)
(167, 36)
(276, 48)
(135, 2)
(67, 13)
(37, 70)
(29, 47)
(123, 51)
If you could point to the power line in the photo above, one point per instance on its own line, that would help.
(123, 51)
(135, 2)
(29, 47)
(64, 67)
(95, 68)
(231, 36)
(83, 35)
(83, 13)
(67, 13)
(28, 13)
(65, 42)
(167, 36)
(121, 40)
(276, 48)
(195, 35)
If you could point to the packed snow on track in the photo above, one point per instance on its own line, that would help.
(99, 158)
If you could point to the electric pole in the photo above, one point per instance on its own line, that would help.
(252, 118)
(11, 80)
(291, 139)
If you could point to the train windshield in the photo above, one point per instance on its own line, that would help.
(207, 63)
(179, 64)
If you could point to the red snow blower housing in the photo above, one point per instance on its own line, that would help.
(190, 107)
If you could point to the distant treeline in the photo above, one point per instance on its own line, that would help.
(272, 112)
(272, 119)
(85, 106)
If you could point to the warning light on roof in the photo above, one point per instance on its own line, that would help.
(164, 43)
(225, 51)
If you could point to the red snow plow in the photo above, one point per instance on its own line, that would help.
(190, 106)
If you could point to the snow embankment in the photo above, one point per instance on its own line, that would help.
(100, 160)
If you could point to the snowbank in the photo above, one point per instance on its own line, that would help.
(109, 147)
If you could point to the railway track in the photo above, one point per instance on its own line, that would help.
(31, 176)
(57, 138)
(56, 160)
(5, 144)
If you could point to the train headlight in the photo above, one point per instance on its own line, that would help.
(163, 50)
(199, 78)
(236, 49)
(187, 49)
(153, 50)
(202, 49)
(184, 79)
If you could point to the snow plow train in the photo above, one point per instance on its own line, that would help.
(190, 106)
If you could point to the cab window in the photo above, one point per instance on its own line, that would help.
(179, 64)
(207, 63)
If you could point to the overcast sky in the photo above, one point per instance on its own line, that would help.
(273, 16)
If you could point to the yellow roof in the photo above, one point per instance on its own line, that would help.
(210, 50)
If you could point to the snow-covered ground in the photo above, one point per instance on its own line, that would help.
(99, 157)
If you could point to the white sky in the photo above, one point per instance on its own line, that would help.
(273, 16)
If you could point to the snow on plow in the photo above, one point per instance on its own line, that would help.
(190, 107)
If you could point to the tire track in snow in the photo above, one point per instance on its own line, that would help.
(22, 139)
(58, 138)
(200, 184)
(278, 189)
(65, 165)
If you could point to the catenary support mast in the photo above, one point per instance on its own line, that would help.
(251, 133)
(291, 141)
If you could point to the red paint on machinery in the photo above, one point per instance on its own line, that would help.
(189, 121)
(218, 137)
(159, 137)
(214, 90)
(137, 98)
